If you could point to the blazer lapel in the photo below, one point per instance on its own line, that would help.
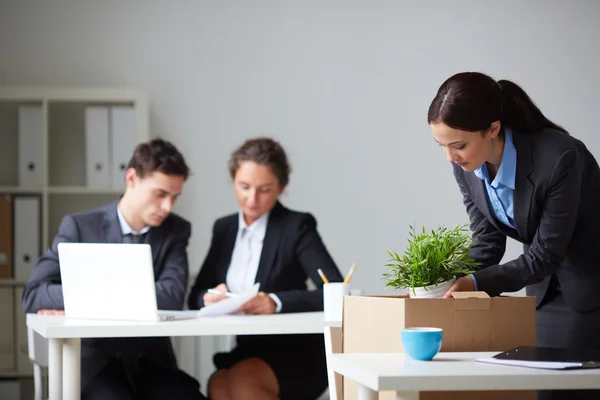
(228, 245)
(111, 227)
(156, 238)
(523, 193)
(481, 201)
(270, 246)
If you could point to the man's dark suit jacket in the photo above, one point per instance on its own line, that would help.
(292, 252)
(169, 255)
(557, 218)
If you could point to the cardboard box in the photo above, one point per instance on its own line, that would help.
(472, 321)
(6, 237)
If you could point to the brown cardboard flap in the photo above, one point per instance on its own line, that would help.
(471, 304)
(469, 295)
(471, 301)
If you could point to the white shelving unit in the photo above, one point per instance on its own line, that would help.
(47, 138)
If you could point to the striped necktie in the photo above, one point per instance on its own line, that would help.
(133, 238)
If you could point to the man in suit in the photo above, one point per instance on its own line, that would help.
(130, 368)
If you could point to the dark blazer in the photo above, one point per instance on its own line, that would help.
(169, 255)
(557, 218)
(292, 251)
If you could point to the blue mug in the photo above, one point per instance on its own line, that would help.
(422, 343)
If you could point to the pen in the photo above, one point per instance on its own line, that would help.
(322, 275)
(349, 275)
(228, 294)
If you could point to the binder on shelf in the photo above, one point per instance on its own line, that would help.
(30, 150)
(97, 160)
(6, 237)
(23, 363)
(7, 344)
(27, 235)
(10, 389)
(122, 120)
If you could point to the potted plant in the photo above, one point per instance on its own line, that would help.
(431, 261)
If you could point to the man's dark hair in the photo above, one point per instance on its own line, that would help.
(158, 155)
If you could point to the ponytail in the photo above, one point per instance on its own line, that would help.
(520, 112)
(471, 101)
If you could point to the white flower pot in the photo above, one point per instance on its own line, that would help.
(432, 292)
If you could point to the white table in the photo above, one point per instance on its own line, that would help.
(450, 371)
(65, 334)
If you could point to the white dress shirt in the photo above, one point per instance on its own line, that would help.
(241, 274)
(125, 228)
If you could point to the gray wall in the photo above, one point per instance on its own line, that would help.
(344, 85)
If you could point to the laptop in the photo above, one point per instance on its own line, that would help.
(111, 281)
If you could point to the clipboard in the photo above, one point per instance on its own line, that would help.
(546, 358)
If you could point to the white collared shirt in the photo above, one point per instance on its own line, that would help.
(245, 258)
(125, 228)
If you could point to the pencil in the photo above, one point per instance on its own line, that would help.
(322, 275)
(349, 274)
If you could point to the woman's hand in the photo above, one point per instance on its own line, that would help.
(51, 312)
(262, 303)
(211, 298)
(464, 284)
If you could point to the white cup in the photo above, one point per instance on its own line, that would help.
(333, 300)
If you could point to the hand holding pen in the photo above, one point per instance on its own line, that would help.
(220, 292)
(216, 294)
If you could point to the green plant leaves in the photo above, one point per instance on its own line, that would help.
(431, 258)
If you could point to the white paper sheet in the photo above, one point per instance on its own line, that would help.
(230, 305)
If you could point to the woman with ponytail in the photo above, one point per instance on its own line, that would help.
(523, 176)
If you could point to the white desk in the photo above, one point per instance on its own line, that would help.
(450, 371)
(64, 334)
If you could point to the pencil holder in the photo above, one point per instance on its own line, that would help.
(333, 300)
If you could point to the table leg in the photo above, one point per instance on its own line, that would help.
(364, 393)
(407, 395)
(55, 368)
(72, 369)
